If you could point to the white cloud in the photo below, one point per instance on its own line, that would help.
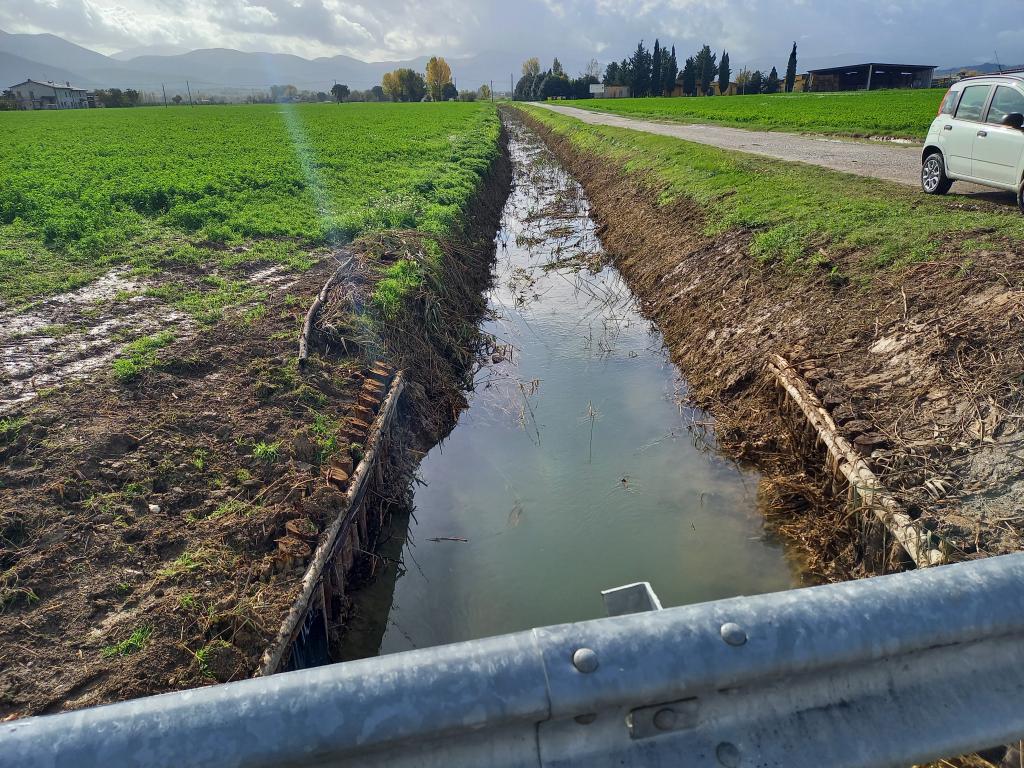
(756, 32)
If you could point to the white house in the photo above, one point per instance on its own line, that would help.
(33, 94)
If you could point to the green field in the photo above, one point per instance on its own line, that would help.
(82, 191)
(901, 113)
(802, 216)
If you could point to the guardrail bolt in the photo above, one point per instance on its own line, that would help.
(728, 754)
(585, 660)
(665, 719)
(733, 634)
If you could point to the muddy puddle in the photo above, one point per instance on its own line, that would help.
(73, 335)
(577, 466)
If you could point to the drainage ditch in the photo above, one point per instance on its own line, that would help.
(577, 466)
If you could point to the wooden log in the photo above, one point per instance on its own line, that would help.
(864, 484)
(314, 309)
(333, 536)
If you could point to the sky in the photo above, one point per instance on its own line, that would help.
(755, 32)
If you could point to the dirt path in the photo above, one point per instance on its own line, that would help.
(895, 162)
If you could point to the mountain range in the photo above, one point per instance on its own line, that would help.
(224, 71)
(215, 70)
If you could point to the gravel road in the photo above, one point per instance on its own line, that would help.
(893, 162)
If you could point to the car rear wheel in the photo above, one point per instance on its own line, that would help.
(1020, 196)
(934, 180)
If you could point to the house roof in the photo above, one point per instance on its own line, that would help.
(48, 84)
(866, 64)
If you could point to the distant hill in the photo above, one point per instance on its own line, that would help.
(984, 69)
(51, 50)
(149, 50)
(217, 70)
(16, 69)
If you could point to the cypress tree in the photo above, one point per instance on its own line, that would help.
(724, 74)
(690, 77)
(656, 81)
(707, 68)
(756, 84)
(669, 73)
(772, 84)
(612, 75)
(791, 70)
(640, 71)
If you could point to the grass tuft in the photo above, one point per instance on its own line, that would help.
(141, 355)
(135, 642)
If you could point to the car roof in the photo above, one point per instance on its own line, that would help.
(1015, 76)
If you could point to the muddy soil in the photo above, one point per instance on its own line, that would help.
(142, 520)
(921, 368)
(139, 519)
(75, 334)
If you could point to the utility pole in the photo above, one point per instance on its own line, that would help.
(162, 88)
(511, 88)
(492, 91)
(189, 89)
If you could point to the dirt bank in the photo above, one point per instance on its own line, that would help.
(920, 367)
(142, 508)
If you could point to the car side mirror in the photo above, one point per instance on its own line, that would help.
(1014, 120)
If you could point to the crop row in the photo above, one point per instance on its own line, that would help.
(78, 189)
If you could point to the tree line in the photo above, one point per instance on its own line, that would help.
(538, 85)
(654, 72)
(436, 83)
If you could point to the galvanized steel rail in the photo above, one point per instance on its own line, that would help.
(880, 672)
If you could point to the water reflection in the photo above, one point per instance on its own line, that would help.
(574, 468)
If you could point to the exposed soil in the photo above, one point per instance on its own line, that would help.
(921, 368)
(145, 514)
(73, 335)
(141, 521)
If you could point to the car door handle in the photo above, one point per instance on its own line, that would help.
(947, 127)
(983, 134)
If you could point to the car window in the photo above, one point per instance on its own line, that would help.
(1005, 102)
(949, 103)
(973, 102)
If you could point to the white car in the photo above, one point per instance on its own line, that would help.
(978, 137)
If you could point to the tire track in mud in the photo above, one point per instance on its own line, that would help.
(74, 334)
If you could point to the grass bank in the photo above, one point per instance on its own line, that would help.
(800, 216)
(902, 114)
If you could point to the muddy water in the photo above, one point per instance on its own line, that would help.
(576, 467)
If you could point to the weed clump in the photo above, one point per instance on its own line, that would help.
(141, 356)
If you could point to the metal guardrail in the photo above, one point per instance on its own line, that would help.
(880, 672)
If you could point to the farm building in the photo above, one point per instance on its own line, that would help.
(870, 77)
(614, 92)
(33, 94)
